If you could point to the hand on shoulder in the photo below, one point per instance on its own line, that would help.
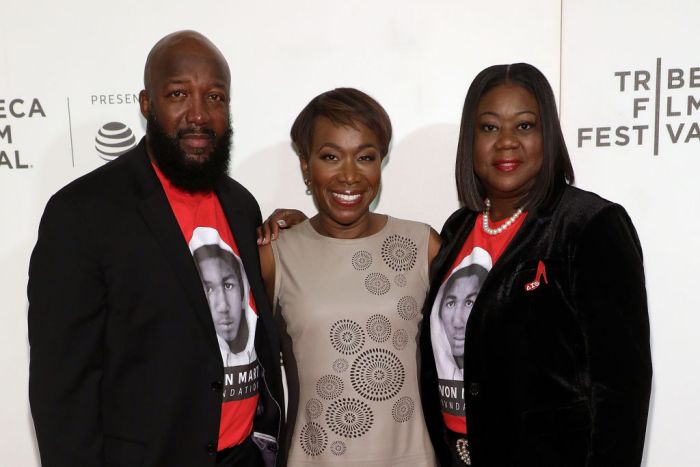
(279, 219)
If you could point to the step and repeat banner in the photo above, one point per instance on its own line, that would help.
(626, 76)
(630, 108)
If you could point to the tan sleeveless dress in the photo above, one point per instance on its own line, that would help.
(351, 310)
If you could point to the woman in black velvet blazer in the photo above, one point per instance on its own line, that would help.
(557, 366)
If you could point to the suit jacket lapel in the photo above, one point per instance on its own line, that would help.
(526, 239)
(244, 234)
(159, 217)
(242, 226)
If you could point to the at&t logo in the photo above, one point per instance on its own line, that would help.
(113, 140)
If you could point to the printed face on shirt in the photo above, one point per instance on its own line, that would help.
(224, 289)
(461, 290)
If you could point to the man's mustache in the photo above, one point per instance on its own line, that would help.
(197, 132)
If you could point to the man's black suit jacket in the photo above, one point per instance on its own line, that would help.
(125, 369)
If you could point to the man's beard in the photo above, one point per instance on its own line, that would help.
(193, 176)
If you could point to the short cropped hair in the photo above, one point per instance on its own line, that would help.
(556, 165)
(342, 106)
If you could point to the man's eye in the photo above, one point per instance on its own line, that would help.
(177, 93)
(228, 286)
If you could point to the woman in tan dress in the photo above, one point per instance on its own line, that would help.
(348, 286)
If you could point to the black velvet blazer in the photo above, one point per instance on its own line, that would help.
(559, 375)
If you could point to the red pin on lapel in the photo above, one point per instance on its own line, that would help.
(541, 274)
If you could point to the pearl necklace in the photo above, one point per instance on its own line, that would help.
(506, 224)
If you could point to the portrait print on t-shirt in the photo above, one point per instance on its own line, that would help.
(448, 323)
(207, 231)
(232, 310)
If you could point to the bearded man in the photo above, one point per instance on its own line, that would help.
(125, 364)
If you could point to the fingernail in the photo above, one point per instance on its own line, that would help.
(281, 223)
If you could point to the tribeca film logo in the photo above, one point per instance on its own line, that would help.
(679, 106)
(15, 109)
(113, 140)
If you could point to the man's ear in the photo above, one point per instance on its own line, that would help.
(144, 103)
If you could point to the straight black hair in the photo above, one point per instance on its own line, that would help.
(556, 166)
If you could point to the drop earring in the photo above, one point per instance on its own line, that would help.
(308, 186)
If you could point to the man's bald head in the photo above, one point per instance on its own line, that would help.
(179, 47)
(186, 105)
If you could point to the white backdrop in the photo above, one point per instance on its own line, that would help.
(68, 68)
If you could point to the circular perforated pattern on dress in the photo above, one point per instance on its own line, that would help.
(377, 283)
(378, 328)
(403, 409)
(347, 337)
(338, 448)
(329, 387)
(400, 280)
(400, 339)
(349, 418)
(377, 374)
(361, 260)
(407, 307)
(340, 365)
(399, 253)
(314, 408)
(313, 439)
